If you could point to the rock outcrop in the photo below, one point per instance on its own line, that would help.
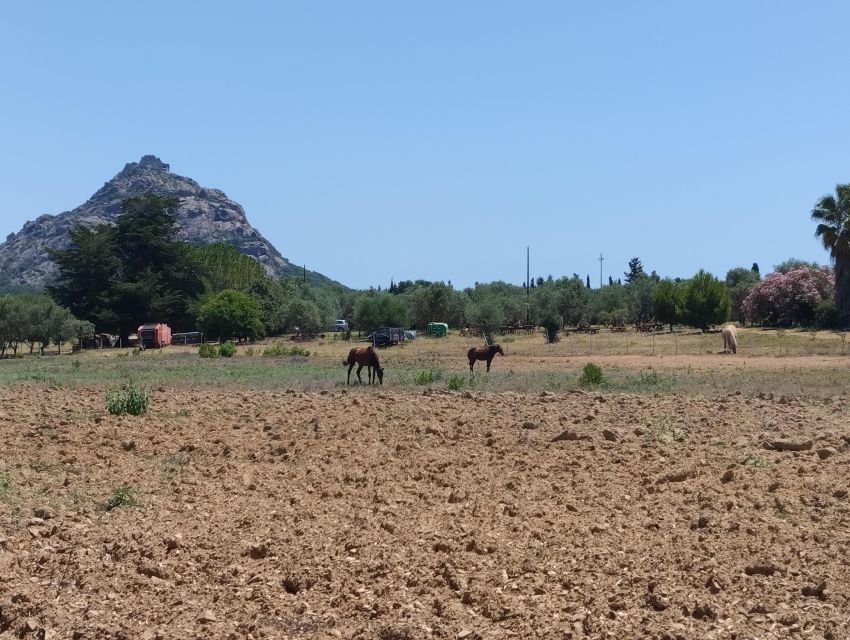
(205, 216)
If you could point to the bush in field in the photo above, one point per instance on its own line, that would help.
(129, 398)
(279, 349)
(455, 383)
(208, 351)
(591, 376)
(788, 299)
(427, 376)
(226, 349)
(827, 316)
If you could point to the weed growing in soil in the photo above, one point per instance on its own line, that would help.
(752, 460)
(591, 376)
(123, 496)
(5, 482)
(130, 398)
(664, 430)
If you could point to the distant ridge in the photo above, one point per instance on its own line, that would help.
(205, 216)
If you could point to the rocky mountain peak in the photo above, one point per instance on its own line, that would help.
(204, 215)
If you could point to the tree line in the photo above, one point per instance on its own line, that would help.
(117, 276)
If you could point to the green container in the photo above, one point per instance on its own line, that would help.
(437, 329)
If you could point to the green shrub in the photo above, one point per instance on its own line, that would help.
(208, 351)
(226, 349)
(427, 376)
(278, 349)
(591, 376)
(648, 378)
(123, 496)
(826, 315)
(129, 398)
(456, 383)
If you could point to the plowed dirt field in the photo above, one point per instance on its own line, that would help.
(401, 514)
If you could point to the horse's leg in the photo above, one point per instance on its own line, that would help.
(350, 367)
(359, 369)
(489, 360)
(369, 372)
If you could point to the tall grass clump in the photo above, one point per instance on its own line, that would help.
(456, 383)
(279, 349)
(226, 349)
(591, 376)
(5, 482)
(427, 376)
(129, 398)
(208, 351)
(649, 378)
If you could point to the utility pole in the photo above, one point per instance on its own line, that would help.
(600, 270)
(528, 285)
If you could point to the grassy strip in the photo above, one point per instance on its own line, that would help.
(189, 371)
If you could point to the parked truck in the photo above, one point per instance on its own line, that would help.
(154, 335)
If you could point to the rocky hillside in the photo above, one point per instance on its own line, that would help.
(205, 216)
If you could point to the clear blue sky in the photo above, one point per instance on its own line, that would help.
(385, 140)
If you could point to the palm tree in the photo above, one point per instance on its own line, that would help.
(832, 213)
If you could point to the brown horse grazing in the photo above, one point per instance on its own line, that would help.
(483, 353)
(365, 357)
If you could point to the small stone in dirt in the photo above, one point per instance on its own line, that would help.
(257, 551)
(569, 434)
(173, 542)
(789, 445)
(817, 591)
(657, 601)
(713, 585)
(773, 486)
(207, 616)
(840, 494)
(727, 476)
(767, 569)
(465, 633)
(609, 435)
(31, 625)
(704, 612)
(826, 452)
(528, 424)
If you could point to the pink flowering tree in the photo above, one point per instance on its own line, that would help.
(787, 299)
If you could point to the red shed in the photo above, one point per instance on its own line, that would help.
(154, 335)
